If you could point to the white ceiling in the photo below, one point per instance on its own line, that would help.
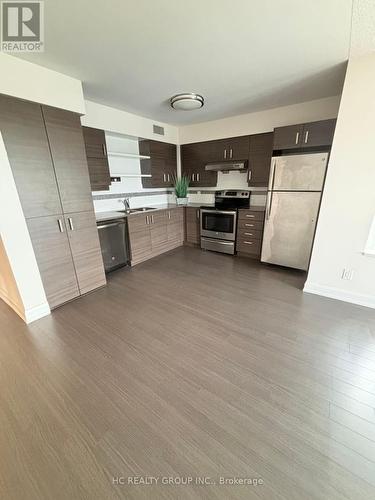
(242, 55)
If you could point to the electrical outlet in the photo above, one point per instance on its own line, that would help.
(347, 274)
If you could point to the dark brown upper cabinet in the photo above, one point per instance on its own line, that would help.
(260, 159)
(235, 148)
(26, 143)
(318, 133)
(97, 159)
(161, 164)
(65, 138)
(194, 158)
(305, 135)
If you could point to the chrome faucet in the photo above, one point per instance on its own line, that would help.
(126, 203)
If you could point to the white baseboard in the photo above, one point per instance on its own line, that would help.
(28, 315)
(338, 294)
(37, 312)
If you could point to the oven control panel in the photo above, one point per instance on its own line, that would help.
(232, 194)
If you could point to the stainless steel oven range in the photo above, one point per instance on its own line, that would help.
(219, 223)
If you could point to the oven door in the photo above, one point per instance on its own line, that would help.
(219, 224)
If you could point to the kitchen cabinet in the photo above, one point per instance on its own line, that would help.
(250, 232)
(192, 222)
(318, 133)
(162, 164)
(85, 248)
(25, 138)
(194, 158)
(305, 135)
(55, 261)
(235, 149)
(139, 238)
(97, 159)
(46, 153)
(154, 233)
(66, 143)
(260, 155)
(175, 226)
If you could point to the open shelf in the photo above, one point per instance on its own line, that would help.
(128, 155)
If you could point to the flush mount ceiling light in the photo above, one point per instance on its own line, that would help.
(187, 101)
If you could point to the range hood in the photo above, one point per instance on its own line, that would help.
(225, 166)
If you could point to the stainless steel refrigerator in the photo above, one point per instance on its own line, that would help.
(293, 200)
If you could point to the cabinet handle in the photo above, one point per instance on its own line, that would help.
(152, 219)
(225, 154)
(248, 242)
(61, 227)
(164, 178)
(192, 177)
(168, 178)
(249, 225)
(104, 149)
(250, 216)
(297, 137)
(147, 223)
(306, 137)
(250, 174)
(198, 214)
(169, 215)
(198, 176)
(231, 153)
(249, 234)
(70, 220)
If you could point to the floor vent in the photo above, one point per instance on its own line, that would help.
(158, 130)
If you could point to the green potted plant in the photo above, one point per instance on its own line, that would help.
(181, 185)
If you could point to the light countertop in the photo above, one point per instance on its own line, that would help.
(103, 216)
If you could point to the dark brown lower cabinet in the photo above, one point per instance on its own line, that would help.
(154, 233)
(86, 252)
(250, 233)
(52, 251)
(192, 223)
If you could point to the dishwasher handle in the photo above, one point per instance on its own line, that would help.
(102, 226)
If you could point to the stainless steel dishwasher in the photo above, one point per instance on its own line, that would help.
(113, 235)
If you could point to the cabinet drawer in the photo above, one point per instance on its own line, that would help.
(249, 246)
(249, 234)
(250, 215)
(250, 224)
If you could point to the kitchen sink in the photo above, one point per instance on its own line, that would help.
(136, 210)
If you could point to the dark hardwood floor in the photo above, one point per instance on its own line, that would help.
(194, 365)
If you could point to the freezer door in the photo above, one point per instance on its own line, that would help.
(289, 228)
(298, 172)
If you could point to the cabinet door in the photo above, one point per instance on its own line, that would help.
(318, 133)
(288, 137)
(218, 150)
(159, 233)
(194, 158)
(97, 161)
(175, 226)
(192, 225)
(139, 237)
(25, 139)
(53, 254)
(86, 252)
(162, 165)
(65, 138)
(260, 156)
(239, 148)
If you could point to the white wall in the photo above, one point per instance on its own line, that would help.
(18, 249)
(348, 204)
(29, 81)
(262, 121)
(122, 122)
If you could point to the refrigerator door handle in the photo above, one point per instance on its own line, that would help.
(272, 174)
(269, 205)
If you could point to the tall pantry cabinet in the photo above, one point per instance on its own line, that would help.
(47, 156)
